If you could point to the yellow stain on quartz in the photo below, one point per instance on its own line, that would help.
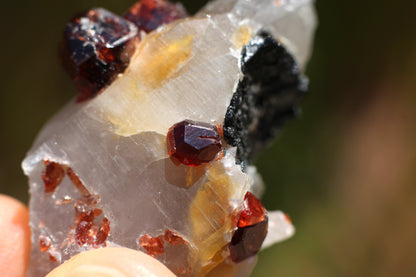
(121, 116)
(159, 61)
(223, 269)
(194, 173)
(212, 217)
(242, 36)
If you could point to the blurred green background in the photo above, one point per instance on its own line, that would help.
(345, 171)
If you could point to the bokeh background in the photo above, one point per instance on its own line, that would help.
(345, 171)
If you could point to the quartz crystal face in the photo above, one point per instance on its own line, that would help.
(160, 159)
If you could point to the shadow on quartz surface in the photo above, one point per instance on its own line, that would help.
(345, 171)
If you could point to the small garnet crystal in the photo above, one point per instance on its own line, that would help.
(103, 232)
(253, 211)
(52, 175)
(173, 238)
(96, 46)
(193, 143)
(82, 231)
(252, 229)
(152, 245)
(150, 14)
(44, 243)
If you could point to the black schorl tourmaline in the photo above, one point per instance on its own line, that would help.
(266, 97)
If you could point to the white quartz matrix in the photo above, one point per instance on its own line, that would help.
(116, 144)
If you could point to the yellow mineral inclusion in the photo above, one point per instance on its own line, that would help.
(242, 36)
(193, 174)
(160, 61)
(212, 217)
(223, 269)
(156, 60)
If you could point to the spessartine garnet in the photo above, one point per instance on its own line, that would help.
(173, 239)
(193, 143)
(52, 175)
(152, 245)
(253, 211)
(150, 14)
(96, 46)
(252, 229)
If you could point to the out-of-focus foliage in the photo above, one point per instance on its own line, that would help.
(345, 171)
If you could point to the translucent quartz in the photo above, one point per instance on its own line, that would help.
(293, 22)
(121, 188)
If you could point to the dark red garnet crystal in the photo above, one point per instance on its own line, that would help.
(150, 14)
(96, 46)
(193, 143)
(252, 229)
(52, 175)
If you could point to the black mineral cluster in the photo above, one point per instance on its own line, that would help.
(266, 97)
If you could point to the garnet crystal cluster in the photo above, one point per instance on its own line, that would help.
(251, 231)
(97, 45)
(158, 158)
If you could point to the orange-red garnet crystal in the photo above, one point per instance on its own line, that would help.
(253, 211)
(44, 243)
(252, 229)
(152, 245)
(52, 175)
(193, 143)
(173, 238)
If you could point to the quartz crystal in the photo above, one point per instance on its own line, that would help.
(105, 172)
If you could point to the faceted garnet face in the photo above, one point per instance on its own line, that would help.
(193, 143)
(150, 14)
(253, 211)
(96, 46)
(252, 229)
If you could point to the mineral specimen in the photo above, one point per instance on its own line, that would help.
(208, 91)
